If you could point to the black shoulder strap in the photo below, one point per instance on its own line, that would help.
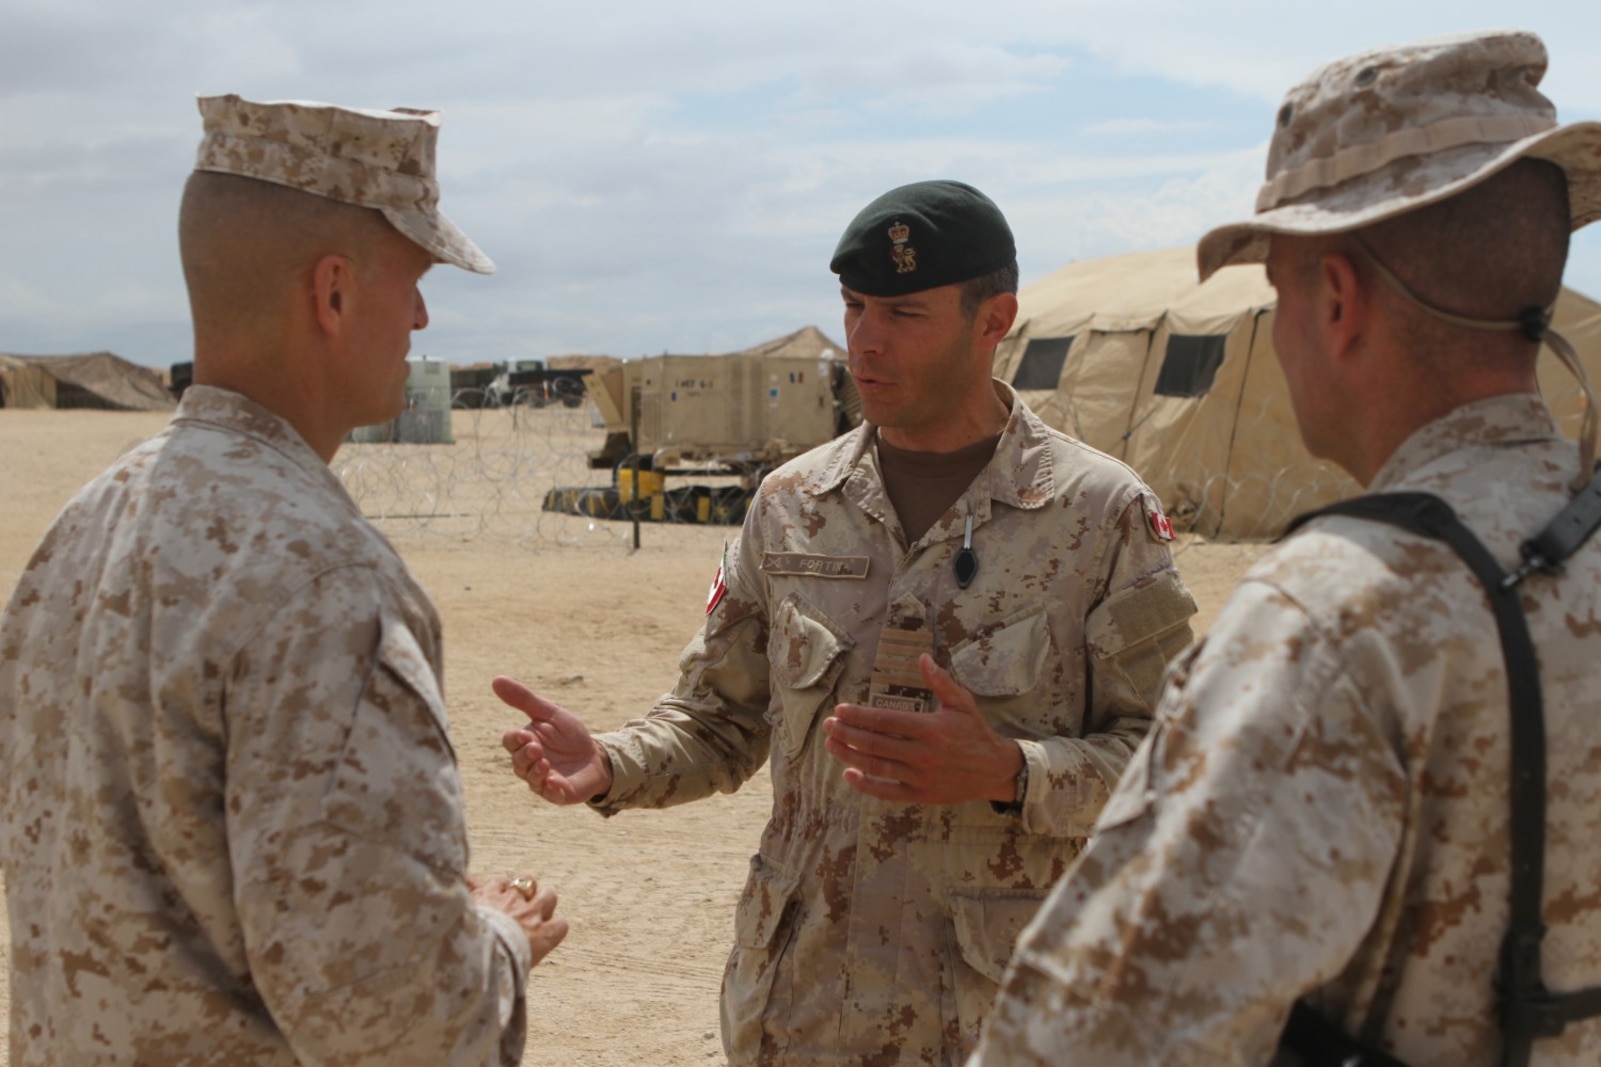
(1563, 535)
(1319, 1043)
(1528, 1009)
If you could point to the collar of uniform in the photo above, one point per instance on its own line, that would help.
(1508, 419)
(847, 457)
(239, 414)
(1020, 473)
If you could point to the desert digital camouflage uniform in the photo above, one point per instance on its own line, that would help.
(232, 827)
(872, 932)
(1323, 800)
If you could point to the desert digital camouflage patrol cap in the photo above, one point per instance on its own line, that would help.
(922, 236)
(378, 159)
(1375, 135)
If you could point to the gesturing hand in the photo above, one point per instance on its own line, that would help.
(948, 756)
(554, 753)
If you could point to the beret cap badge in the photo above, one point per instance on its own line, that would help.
(904, 256)
(922, 236)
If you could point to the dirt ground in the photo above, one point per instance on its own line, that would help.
(566, 605)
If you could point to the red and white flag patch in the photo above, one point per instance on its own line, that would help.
(1161, 527)
(714, 595)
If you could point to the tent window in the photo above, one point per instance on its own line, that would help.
(1191, 363)
(1041, 365)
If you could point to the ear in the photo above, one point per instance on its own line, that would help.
(1344, 303)
(332, 278)
(996, 317)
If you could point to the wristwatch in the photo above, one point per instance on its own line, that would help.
(1016, 804)
(1022, 784)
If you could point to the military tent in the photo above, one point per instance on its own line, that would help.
(22, 385)
(808, 342)
(94, 380)
(1179, 380)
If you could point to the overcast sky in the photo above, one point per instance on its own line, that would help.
(672, 176)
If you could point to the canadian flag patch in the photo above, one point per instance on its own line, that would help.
(1161, 528)
(714, 595)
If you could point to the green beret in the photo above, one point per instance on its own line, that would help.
(922, 236)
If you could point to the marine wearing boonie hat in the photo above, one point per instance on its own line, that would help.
(922, 236)
(1384, 132)
(376, 159)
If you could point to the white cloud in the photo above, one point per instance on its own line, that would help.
(667, 176)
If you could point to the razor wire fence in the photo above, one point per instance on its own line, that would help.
(497, 470)
(513, 475)
(522, 473)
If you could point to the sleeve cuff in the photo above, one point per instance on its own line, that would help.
(1034, 760)
(511, 935)
(628, 775)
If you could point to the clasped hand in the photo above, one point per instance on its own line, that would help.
(948, 756)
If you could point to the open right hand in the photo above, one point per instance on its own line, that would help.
(554, 753)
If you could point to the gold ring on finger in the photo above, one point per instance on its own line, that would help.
(524, 885)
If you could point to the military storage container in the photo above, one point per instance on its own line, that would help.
(746, 411)
(426, 418)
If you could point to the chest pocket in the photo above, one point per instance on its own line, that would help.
(806, 655)
(1006, 663)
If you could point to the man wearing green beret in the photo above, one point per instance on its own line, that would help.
(946, 629)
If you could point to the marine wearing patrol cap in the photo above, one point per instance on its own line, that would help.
(377, 159)
(922, 236)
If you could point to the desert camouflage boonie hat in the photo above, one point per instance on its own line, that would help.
(1375, 135)
(378, 159)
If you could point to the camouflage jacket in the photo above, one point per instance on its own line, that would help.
(872, 932)
(232, 827)
(1322, 805)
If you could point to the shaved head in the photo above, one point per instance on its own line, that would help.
(247, 247)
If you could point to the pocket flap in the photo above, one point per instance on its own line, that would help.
(761, 908)
(806, 644)
(988, 924)
(1005, 662)
(1149, 609)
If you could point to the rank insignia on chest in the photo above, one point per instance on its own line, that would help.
(904, 255)
(897, 680)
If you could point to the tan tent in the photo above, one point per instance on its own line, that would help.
(23, 385)
(96, 380)
(1180, 381)
(808, 342)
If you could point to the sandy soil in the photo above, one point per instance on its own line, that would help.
(566, 605)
